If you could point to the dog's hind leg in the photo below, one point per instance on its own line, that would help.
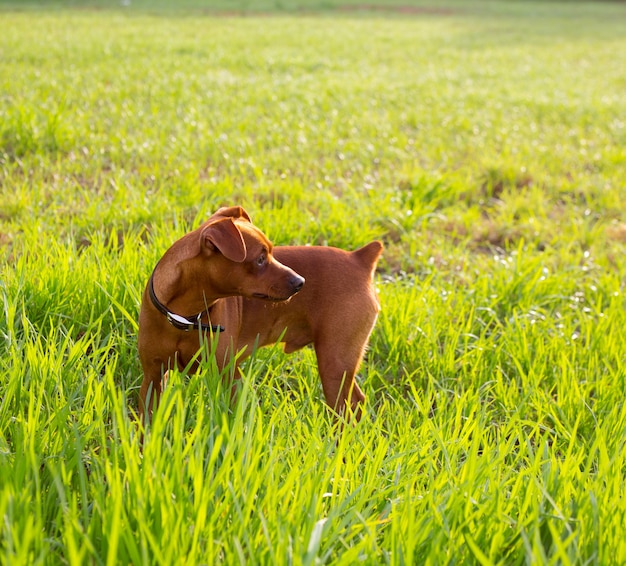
(337, 366)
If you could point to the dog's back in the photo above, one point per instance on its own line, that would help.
(339, 292)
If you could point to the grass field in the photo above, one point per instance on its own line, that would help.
(483, 142)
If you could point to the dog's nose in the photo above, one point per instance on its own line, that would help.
(296, 283)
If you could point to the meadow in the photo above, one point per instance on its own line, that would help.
(483, 142)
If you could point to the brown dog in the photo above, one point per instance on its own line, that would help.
(229, 273)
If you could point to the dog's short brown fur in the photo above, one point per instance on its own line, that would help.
(229, 271)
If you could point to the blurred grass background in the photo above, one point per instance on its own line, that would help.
(483, 142)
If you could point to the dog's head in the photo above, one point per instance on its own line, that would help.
(241, 258)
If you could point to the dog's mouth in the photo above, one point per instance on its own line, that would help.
(264, 297)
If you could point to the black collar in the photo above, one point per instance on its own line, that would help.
(177, 321)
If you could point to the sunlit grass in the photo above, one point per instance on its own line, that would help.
(483, 143)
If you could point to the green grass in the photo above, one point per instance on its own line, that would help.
(484, 143)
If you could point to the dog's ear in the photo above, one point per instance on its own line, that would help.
(223, 235)
(230, 212)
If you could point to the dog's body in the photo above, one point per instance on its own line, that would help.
(258, 295)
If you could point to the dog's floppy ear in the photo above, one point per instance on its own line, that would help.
(230, 212)
(223, 235)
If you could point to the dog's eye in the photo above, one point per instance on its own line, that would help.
(260, 261)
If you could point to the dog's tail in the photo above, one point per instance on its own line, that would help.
(368, 255)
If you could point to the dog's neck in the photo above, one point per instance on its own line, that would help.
(180, 293)
(180, 322)
(178, 286)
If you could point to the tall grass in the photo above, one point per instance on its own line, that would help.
(484, 143)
